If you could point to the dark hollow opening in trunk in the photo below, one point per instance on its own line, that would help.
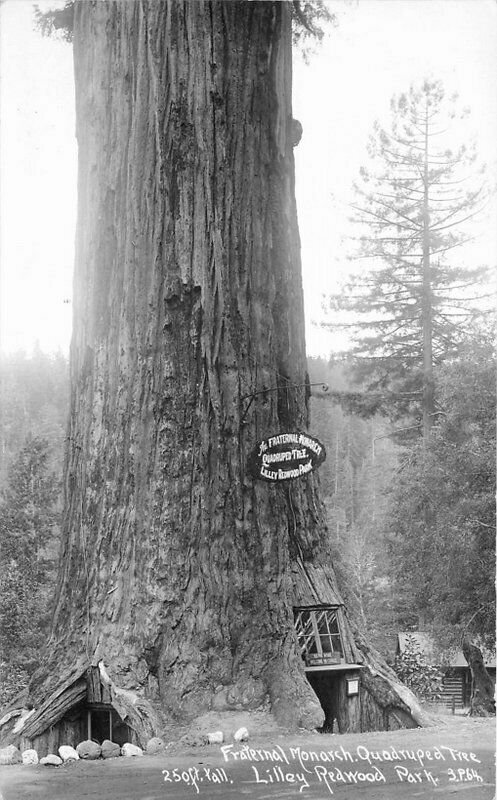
(103, 722)
(325, 685)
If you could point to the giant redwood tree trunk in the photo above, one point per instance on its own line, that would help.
(187, 298)
(176, 569)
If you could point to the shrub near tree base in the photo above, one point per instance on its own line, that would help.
(423, 679)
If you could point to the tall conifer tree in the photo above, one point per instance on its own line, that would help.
(414, 207)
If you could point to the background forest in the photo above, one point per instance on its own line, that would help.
(411, 523)
(33, 410)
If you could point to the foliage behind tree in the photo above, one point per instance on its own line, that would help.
(33, 406)
(412, 529)
(29, 538)
(362, 457)
(34, 399)
(443, 505)
(414, 670)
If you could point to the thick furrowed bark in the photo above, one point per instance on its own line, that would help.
(187, 298)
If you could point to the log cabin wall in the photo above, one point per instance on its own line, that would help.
(91, 696)
(71, 730)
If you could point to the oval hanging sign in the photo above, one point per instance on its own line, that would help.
(286, 456)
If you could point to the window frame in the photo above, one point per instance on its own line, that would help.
(310, 637)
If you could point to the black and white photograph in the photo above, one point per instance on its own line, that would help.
(248, 257)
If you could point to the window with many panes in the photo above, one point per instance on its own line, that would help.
(318, 633)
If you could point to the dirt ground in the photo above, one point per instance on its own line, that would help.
(453, 759)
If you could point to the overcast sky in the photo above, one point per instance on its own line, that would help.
(378, 48)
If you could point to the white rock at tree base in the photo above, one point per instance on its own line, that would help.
(110, 749)
(30, 757)
(10, 755)
(216, 737)
(241, 735)
(51, 760)
(89, 750)
(68, 753)
(129, 749)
